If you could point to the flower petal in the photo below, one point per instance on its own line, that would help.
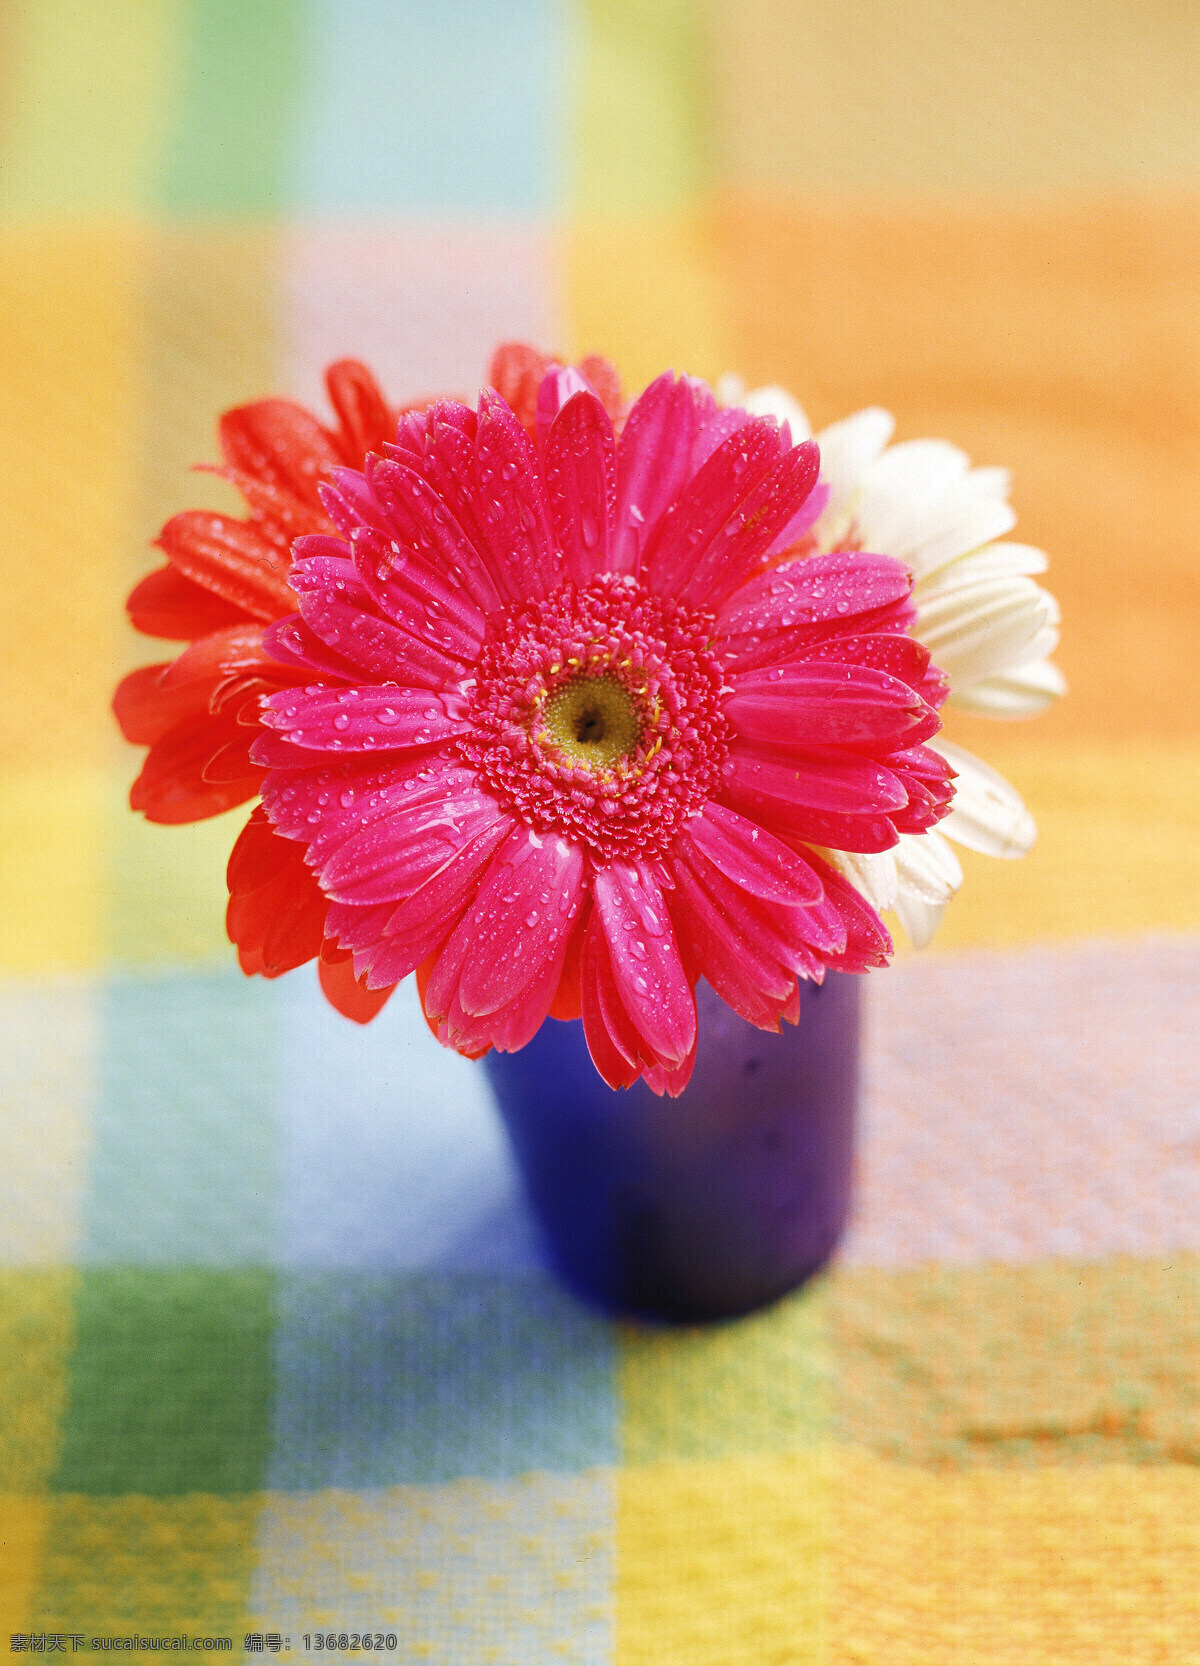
(765, 519)
(612, 1040)
(815, 589)
(419, 518)
(972, 513)
(844, 802)
(820, 703)
(340, 611)
(919, 919)
(1023, 691)
(348, 994)
(897, 492)
(988, 814)
(424, 921)
(279, 444)
(926, 868)
(362, 719)
(167, 603)
(520, 920)
(707, 504)
(231, 559)
(982, 630)
(393, 856)
(511, 502)
(654, 462)
(751, 857)
(848, 448)
(777, 402)
(581, 464)
(645, 958)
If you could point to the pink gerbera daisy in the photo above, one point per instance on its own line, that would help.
(577, 730)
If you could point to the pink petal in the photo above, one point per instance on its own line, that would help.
(389, 859)
(531, 980)
(362, 719)
(418, 517)
(613, 1043)
(771, 931)
(294, 644)
(511, 503)
(833, 803)
(806, 516)
(664, 1079)
(867, 942)
(716, 426)
(521, 919)
(899, 656)
(751, 857)
(739, 549)
(425, 920)
(350, 503)
(837, 781)
(645, 957)
(559, 385)
(408, 590)
(818, 703)
(325, 807)
(745, 973)
(929, 782)
(707, 505)
(447, 465)
(654, 463)
(345, 619)
(815, 589)
(580, 464)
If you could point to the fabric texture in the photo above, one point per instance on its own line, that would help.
(279, 1353)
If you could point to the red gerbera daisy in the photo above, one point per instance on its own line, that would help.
(575, 730)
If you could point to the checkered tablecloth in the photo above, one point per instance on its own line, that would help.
(279, 1356)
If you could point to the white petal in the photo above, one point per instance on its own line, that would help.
(778, 403)
(926, 867)
(1021, 692)
(991, 482)
(961, 522)
(873, 875)
(1004, 560)
(900, 490)
(982, 630)
(729, 389)
(847, 448)
(919, 919)
(987, 815)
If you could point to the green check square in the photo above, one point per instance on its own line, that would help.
(170, 1383)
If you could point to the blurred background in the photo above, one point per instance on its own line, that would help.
(985, 217)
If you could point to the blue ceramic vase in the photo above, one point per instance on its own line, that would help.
(705, 1206)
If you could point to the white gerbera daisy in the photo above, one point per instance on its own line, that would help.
(988, 626)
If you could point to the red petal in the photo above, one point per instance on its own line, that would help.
(516, 373)
(277, 443)
(172, 787)
(349, 995)
(146, 710)
(232, 559)
(365, 423)
(166, 603)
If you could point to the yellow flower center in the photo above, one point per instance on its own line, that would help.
(591, 722)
